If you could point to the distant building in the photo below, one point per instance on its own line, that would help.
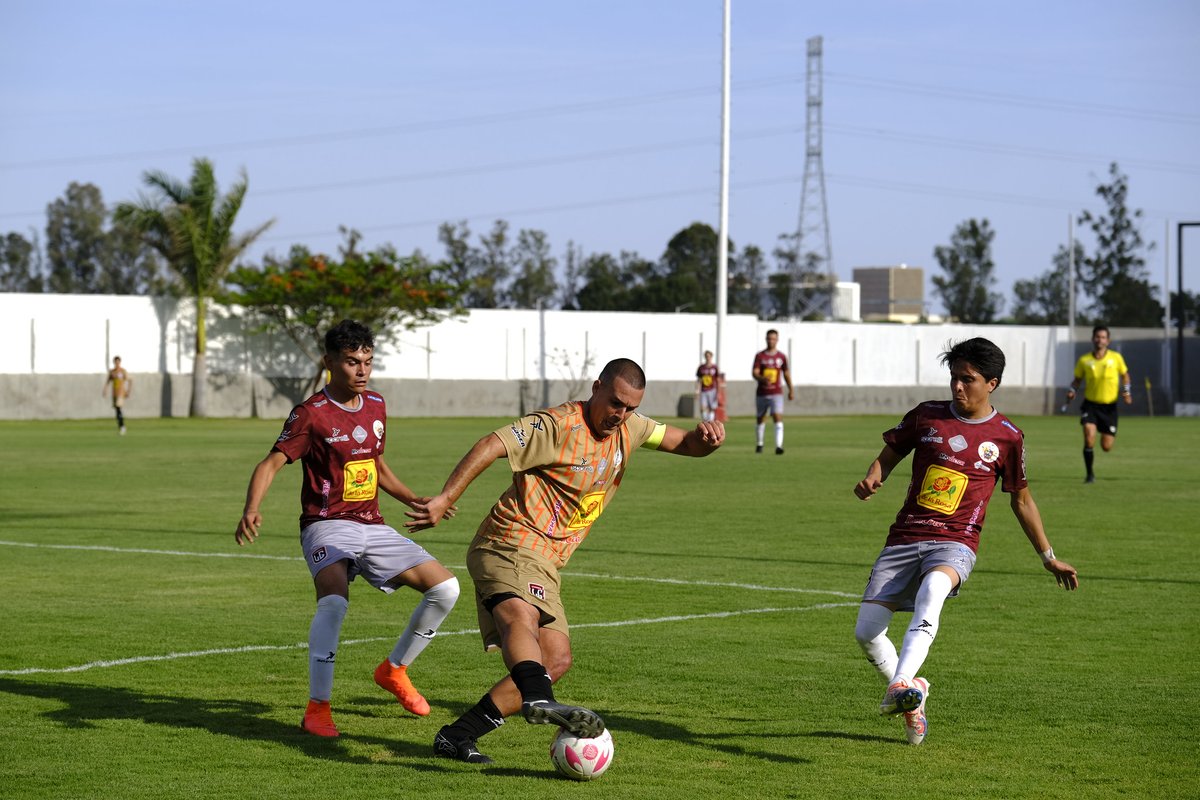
(894, 294)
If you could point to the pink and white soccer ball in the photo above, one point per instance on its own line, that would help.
(581, 759)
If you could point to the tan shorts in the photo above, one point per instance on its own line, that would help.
(503, 568)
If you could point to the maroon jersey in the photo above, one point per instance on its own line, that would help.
(956, 463)
(771, 366)
(707, 375)
(338, 447)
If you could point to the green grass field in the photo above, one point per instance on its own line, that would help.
(713, 606)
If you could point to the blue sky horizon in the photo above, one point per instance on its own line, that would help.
(600, 123)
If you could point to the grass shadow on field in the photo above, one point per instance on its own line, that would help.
(83, 706)
(666, 731)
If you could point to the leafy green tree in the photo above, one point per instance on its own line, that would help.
(534, 280)
(492, 269)
(307, 293)
(1043, 300)
(568, 289)
(191, 225)
(603, 285)
(965, 288)
(75, 239)
(1115, 275)
(88, 256)
(21, 267)
(747, 274)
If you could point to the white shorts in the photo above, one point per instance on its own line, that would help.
(708, 400)
(769, 404)
(896, 576)
(377, 552)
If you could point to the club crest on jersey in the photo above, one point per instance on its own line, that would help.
(537, 590)
(377, 427)
(957, 443)
(989, 452)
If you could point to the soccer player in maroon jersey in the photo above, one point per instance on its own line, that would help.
(339, 434)
(770, 371)
(960, 448)
(708, 376)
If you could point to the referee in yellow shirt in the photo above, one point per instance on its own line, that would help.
(1099, 371)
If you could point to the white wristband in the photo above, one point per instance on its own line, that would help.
(1047, 555)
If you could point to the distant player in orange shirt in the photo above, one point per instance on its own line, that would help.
(121, 386)
(567, 464)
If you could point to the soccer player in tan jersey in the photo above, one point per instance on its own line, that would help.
(567, 464)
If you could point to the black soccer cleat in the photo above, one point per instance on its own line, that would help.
(460, 750)
(758, 449)
(575, 719)
(778, 451)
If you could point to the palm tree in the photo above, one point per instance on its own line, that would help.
(192, 226)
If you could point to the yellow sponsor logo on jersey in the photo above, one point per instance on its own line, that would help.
(591, 506)
(942, 489)
(360, 480)
(770, 374)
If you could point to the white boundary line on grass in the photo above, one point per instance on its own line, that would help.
(598, 575)
(301, 645)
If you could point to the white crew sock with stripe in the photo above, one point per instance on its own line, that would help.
(426, 618)
(871, 633)
(323, 636)
(935, 588)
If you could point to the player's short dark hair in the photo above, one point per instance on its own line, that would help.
(772, 330)
(980, 353)
(1099, 328)
(348, 335)
(626, 369)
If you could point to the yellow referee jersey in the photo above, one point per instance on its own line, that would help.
(1101, 376)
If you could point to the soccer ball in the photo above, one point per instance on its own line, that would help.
(581, 759)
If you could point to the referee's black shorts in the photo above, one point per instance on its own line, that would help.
(1102, 415)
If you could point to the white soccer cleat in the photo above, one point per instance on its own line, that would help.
(916, 722)
(901, 696)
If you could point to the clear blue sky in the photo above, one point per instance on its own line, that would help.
(599, 122)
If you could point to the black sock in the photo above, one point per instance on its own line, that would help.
(1088, 456)
(481, 719)
(533, 681)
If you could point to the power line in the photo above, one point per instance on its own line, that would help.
(1013, 99)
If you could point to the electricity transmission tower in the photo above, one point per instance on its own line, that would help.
(811, 284)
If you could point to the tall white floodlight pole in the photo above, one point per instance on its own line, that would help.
(1071, 282)
(723, 227)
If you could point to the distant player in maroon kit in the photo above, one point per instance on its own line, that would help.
(339, 435)
(960, 448)
(771, 371)
(708, 377)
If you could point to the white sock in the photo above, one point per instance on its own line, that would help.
(323, 636)
(935, 587)
(426, 618)
(779, 436)
(871, 633)
(759, 432)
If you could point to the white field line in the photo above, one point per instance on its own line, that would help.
(597, 575)
(301, 645)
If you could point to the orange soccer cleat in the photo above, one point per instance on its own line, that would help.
(395, 680)
(318, 720)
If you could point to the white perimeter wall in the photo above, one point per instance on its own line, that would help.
(52, 334)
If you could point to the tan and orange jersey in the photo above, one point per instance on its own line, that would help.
(120, 382)
(563, 478)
